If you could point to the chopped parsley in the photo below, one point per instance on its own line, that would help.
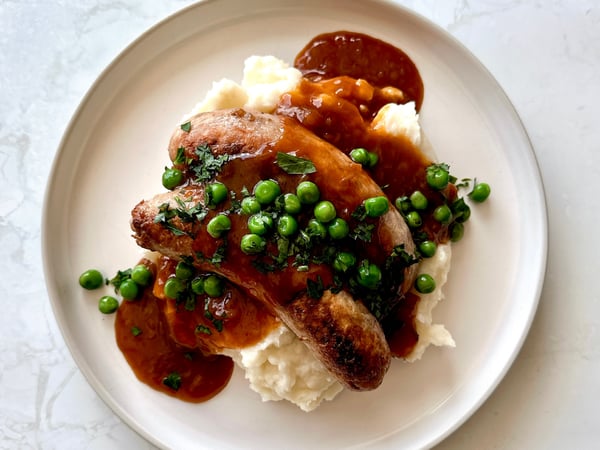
(464, 183)
(173, 381)
(360, 213)
(217, 257)
(187, 212)
(122, 275)
(208, 165)
(180, 157)
(315, 289)
(363, 232)
(189, 300)
(202, 329)
(186, 126)
(196, 212)
(262, 266)
(295, 165)
(165, 216)
(136, 331)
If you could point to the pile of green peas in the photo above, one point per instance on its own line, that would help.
(364, 157)
(267, 196)
(187, 280)
(129, 285)
(323, 224)
(454, 215)
(184, 280)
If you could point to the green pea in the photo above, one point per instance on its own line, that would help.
(325, 211)
(260, 223)
(108, 304)
(129, 289)
(173, 287)
(197, 285)
(437, 176)
(460, 211)
(251, 244)
(480, 192)
(418, 200)
(376, 206)
(442, 214)
(427, 248)
(360, 156)
(425, 284)
(403, 204)
(344, 261)
(413, 219)
(214, 286)
(141, 274)
(266, 191)
(338, 228)
(369, 275)
(91, 279)
(373, 159)
(290, 203)
(184, 271)
(287, 225)
(250, 205)
(314, 228)
(218, 225)
(216, 193)
(457, 231)
(308, 192)
(171, 178)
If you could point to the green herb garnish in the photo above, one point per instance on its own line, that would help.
(360, 213)
(203, 329)
(464, 183)
(122, 275)
(207, 165)
(136, 331)
(196, 212)
(186, 126)
(173, 381)
(217, 257)
(180, 157)
(165, 216)
(315, 289)
(295, 165)
(363, 232)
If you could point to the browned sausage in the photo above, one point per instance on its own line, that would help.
(340, 330)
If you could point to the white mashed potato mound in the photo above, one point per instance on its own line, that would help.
(399, 120)
(430, 333)
(265, 79)
(281, 367)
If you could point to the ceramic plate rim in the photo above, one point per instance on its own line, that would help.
(54, 291)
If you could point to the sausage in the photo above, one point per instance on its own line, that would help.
(338, 328)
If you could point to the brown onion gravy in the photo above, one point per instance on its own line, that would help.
(348, 77)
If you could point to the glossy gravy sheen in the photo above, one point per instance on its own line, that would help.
(153, 355)
(343, 94)
(358, 55)
(169, 341)
(348, 78)
(333, 104)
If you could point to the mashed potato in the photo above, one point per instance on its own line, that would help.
(281, 367)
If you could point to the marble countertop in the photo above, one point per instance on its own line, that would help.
(546, 56)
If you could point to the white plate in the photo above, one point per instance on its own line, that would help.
(113, 154)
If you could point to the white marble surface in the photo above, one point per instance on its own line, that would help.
(545, 54)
